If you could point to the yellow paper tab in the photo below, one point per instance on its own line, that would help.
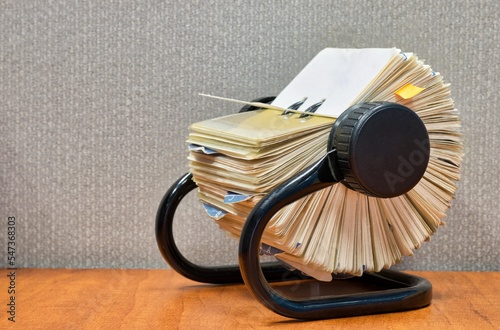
(409, 91)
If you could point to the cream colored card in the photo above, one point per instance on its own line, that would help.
(337, 76)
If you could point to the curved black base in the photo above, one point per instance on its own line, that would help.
(393, 291)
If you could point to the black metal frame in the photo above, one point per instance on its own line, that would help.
(397, 291)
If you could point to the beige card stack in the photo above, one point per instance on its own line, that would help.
(335, 230)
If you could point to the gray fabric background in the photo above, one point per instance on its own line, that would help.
(96, 98)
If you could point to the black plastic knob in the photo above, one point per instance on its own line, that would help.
(382, 148)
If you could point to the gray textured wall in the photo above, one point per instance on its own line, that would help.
(96, 99)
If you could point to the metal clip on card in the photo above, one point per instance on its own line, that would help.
(349, 160)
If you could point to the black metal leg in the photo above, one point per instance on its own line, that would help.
(399, 291)
(168, 248)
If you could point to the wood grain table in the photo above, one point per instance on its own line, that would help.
(162, 299)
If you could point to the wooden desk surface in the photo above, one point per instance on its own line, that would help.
(154, 299)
